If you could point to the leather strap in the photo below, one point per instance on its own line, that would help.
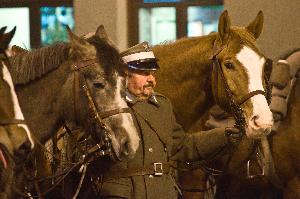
(243, 99)
(153, 169)
(106, 114)
(83, 64)
(76, 87)
(12, 121)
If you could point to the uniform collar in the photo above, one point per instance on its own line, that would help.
(130, 98)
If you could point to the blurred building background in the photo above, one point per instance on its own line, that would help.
(42, 22)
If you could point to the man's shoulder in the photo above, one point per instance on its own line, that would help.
(161, 98)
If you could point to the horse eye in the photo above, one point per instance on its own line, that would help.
(229, 65)
(99, 85)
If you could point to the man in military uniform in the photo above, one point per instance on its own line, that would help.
(149, 174)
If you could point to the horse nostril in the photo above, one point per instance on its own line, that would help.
(125, 146)
(254, 120)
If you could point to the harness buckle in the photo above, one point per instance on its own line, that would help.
(261, 167)
(158, 168)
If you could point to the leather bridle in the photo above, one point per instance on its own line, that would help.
(235, 105)
(102, 146)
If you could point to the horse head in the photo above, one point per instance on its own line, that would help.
(14, 133)
(239, 75)
(98, 66)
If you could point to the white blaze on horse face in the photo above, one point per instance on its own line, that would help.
(17, 110)
(127, 120)
(261, 121)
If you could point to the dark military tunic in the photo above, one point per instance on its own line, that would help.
(162, 140)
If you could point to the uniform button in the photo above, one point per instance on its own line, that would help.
(150, 150)
(166, 149)
(151, 176)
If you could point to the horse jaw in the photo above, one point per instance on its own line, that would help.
(128, 144)
(260, 121)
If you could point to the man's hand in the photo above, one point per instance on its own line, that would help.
(234, 135)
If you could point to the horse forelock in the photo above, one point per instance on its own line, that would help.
(29, 66)
(243, 34)
(108, 56)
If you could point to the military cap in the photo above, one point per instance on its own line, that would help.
(140, 57)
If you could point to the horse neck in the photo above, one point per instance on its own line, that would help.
(40, 101)
(184, 77)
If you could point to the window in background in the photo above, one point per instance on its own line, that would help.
(18, 17)
(203, 20)
(53, 24)
(156, 21)
(157, 25)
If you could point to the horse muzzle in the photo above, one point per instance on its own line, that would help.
(259, 126)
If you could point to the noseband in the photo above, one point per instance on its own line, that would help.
(235, 105)
(95, 116)
(8, 121)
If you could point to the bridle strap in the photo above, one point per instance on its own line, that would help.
(76, 86)
(95, 116)
(84, 63)
(76, 90)
(243, 99)
(216, 63)
(5, 122)
(106, 114)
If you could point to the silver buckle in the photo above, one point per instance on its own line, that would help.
(158, 169)
(261, 166)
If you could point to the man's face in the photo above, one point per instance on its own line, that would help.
(141, 83)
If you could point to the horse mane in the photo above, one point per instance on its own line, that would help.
(29, 66)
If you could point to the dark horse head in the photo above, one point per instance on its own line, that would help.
(14, 133)
(78, 84)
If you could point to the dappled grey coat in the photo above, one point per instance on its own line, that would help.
(168, 142)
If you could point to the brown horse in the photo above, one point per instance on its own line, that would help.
(15, 137)
(193, 81)
(284, 144)
(76, 85)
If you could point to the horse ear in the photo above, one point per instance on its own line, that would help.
(72, 36)
(256, 26)
(2, 30)
(6, 38)
(101, 32)
(224, 26)
(75, 40)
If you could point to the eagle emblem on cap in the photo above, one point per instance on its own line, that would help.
(146, 46)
